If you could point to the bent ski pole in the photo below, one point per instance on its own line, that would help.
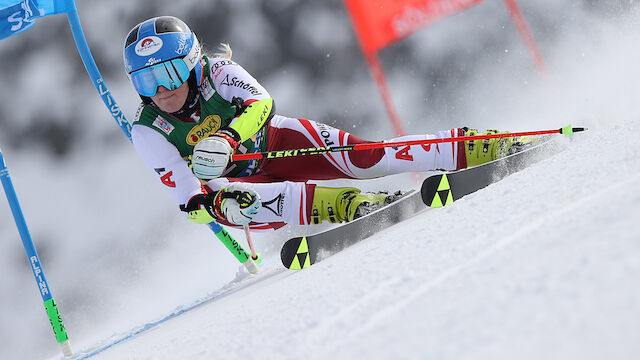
(567, 130)
(34, 261)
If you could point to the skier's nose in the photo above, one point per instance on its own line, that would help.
(162, 90)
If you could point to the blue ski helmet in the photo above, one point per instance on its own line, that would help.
(162, 51)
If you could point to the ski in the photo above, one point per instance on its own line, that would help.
(443, 189)
(302, 252)
(436, 191)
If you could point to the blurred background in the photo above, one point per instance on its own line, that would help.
(113, 245)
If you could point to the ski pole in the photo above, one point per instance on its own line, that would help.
(234, 247)
(247, 233)
(34, 261)
(116, 112)
(567, 130)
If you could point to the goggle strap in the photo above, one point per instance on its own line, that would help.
(193, 57)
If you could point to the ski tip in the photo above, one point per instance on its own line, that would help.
(295, 254)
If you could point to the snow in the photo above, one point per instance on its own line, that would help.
(543, 264)
(531, 267)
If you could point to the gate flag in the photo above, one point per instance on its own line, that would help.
(379, 23)
(17, 16)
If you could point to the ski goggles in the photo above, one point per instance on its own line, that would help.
(170, 74)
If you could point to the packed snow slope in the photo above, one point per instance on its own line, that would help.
(543, 264)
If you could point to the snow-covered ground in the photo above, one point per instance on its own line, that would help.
(543, 264)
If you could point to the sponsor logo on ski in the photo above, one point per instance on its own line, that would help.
(149, 45)
(210, 125)
(235, 82)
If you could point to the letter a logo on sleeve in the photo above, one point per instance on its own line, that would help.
(166, 178)
(403, 154)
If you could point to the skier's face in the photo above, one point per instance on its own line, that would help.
(171, 101)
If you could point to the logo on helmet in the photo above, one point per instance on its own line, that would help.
(148, 46)
(183, 46)
(152, 61)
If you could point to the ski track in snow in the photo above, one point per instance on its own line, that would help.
(240, 283)
(603, 195)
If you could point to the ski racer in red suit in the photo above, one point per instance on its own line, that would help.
(198, 110)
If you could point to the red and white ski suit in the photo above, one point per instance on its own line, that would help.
(282, 183)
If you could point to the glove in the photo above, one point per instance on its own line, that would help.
(236, 204)
(211, 156)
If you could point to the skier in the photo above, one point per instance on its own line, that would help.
(198, 110)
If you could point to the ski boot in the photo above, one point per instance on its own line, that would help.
(485, 150)
(346, 204)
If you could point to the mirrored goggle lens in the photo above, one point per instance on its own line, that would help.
(170, 74)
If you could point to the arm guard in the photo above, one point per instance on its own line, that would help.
(255, 116)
